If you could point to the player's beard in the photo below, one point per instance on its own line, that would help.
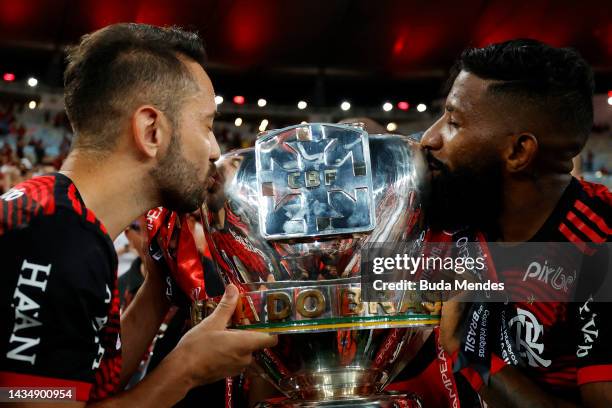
(180, 188)
(469, 196)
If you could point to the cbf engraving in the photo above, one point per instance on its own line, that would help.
(314, 179)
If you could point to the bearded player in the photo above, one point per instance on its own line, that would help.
(142, 109)
(501, 156)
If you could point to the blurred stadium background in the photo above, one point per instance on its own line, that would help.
(275, 63)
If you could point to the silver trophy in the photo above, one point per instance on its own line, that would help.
(287, 224)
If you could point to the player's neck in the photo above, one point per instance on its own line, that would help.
(527, 204)
(114, 188)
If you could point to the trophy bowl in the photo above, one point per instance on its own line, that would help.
(286, 223)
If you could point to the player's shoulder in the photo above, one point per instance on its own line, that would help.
(594, 205)
(50, 196)
(595, 196)
(583, 216)
(41, 195)
(29, 198)
(588, 213)
(46, 216)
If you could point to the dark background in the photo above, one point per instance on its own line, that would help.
(322, 51)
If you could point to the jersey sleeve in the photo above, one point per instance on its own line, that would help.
(56, 296)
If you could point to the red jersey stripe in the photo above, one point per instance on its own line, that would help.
(9, 218)
(585, 229)
(90, 217)
(595, 190)
(28, 205)
(36, 189)
(19, 209)
(497, 363)
(595, 373)
(73, 199)
(37, 192)
(48, 198)
(600, 222)
(575, 239)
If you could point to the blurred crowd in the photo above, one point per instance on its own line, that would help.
(30, 147)
(36, 142)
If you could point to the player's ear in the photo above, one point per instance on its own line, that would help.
(151, 130)
(520, 152)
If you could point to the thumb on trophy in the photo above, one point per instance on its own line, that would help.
(219, 319)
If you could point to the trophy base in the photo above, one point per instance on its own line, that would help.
(373, 401)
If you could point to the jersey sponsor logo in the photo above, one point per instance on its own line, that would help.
(22, 345)
(12, 194)
(590, 332)
(554, 276)
(529, 334)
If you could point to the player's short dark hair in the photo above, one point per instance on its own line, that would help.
(121, 65)
(557, 82)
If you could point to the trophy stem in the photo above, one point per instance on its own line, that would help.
(375, 401)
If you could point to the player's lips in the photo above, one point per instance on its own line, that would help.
(213, 182)
(435, 166)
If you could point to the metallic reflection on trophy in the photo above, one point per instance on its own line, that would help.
(286, 225)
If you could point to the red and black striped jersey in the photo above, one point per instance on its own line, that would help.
(567, 344)
(59, 303)
(562, 344)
